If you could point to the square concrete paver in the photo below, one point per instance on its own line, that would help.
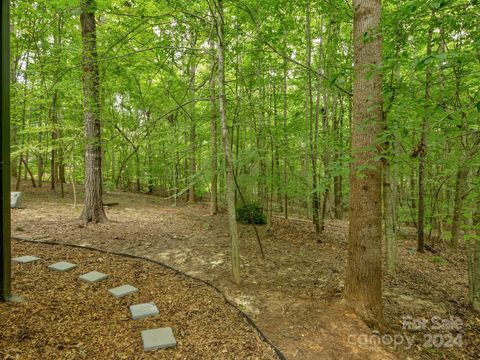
(25, 259)
(121, 291)
(141, 311)
(93, 276)
(62, 266)
(158, 339)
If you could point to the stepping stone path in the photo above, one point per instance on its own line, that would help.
(141, 311)
(152, 339)
(93, 277)
(158, 339)
(25, 259)
(122, 291)
(62, 266)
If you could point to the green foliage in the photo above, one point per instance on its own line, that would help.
(251, 213)
(150, 105)
(438, 260)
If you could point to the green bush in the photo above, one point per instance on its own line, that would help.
(251, 214)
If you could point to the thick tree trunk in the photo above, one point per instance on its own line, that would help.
(230, 177)
(213, 137)
(363, 288)
(93, 204)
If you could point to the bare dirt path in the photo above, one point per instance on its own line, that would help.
(294, 296)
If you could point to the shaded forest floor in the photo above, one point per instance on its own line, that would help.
(295, 295)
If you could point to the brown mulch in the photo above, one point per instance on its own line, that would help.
(62, 317)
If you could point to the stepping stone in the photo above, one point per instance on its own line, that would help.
(15, 199)
(158, 339)
(93, 277)
(122, 291)
(25, 259)
(62, 266)
(141, 311)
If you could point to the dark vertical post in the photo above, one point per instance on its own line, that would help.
(5, 254)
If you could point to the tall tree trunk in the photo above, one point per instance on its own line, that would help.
(363, 287)
(460, 184)
(276, 153)
(53, 162)
(40, 167)
(24, 119)
(324, 110)
(27, 170)
(93, 204)
(473, 257)
(57, 175)
(193, 136)
(326, 160)
(311, 123)
(137, 173)
(213, 136)
(337, 179)
(422, 151)
(285, 137)
(389, 218)
(232, 217)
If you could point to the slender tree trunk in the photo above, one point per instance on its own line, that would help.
(93, 204)
(24, 119)
(276, 170)
(324, 110)
(137, 172)
(422, 152)
(53, 162)
(460, 185)
(389, 218)
(27, 170)
(40, 168)
(326, 160)
(193, 136)
(285, 138)
(19, 173)
(232, 217)
(317, 215)
(363, 288)
(72, 180)
(473, 258)
(337, 179)
(311, 123)
(213, 136)
(25, 162)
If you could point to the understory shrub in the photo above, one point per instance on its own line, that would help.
(251, 213)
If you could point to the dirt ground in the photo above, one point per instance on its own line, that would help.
(294, 296)
(64, 318)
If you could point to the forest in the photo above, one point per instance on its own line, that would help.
(323, 153)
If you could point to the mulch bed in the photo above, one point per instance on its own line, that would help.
(62, 317)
